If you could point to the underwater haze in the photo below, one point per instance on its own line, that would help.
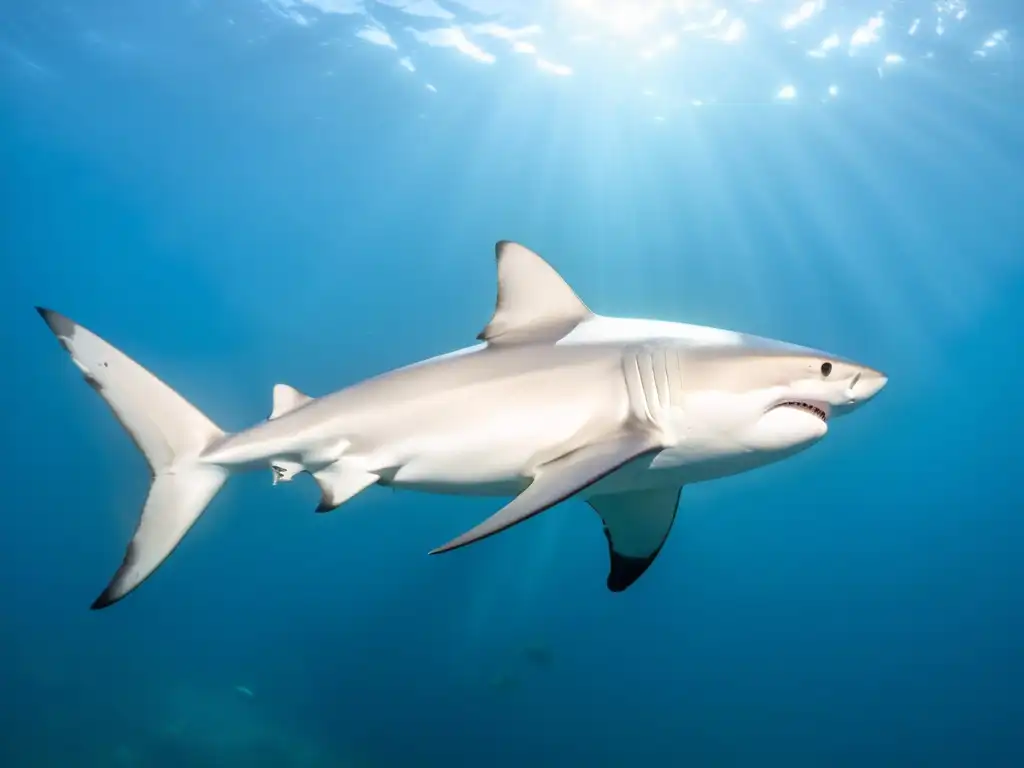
(239, 193)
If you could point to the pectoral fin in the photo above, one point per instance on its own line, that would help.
(636, 525)
(557, 480)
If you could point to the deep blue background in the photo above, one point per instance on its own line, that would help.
(238, 204)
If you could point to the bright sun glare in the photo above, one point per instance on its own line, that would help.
(567, 38)
(619, 17)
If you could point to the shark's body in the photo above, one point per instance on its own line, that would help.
(557, 402)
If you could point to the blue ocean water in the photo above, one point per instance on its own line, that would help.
(239, 193)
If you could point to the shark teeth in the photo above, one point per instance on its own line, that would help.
(819, 412)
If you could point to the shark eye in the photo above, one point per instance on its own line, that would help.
(826, 369)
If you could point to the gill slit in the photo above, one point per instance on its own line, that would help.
(643, 389)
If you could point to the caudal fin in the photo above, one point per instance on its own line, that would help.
(170, 432)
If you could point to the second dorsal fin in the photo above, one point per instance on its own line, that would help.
(534, 303)
(287, 399)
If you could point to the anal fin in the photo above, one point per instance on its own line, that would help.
(339, 482)
(557, 480)
(636, 525)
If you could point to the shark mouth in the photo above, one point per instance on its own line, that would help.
(815, 410)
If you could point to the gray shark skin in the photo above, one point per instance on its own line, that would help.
(556, 402)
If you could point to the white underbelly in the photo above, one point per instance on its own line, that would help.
(494, 449)
(473, 466)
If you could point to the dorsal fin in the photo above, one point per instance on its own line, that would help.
(534, 302)
(287, 399)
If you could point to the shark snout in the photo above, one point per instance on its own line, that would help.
(863, 386)
(866, 385)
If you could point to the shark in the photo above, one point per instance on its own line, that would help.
(554, 402)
